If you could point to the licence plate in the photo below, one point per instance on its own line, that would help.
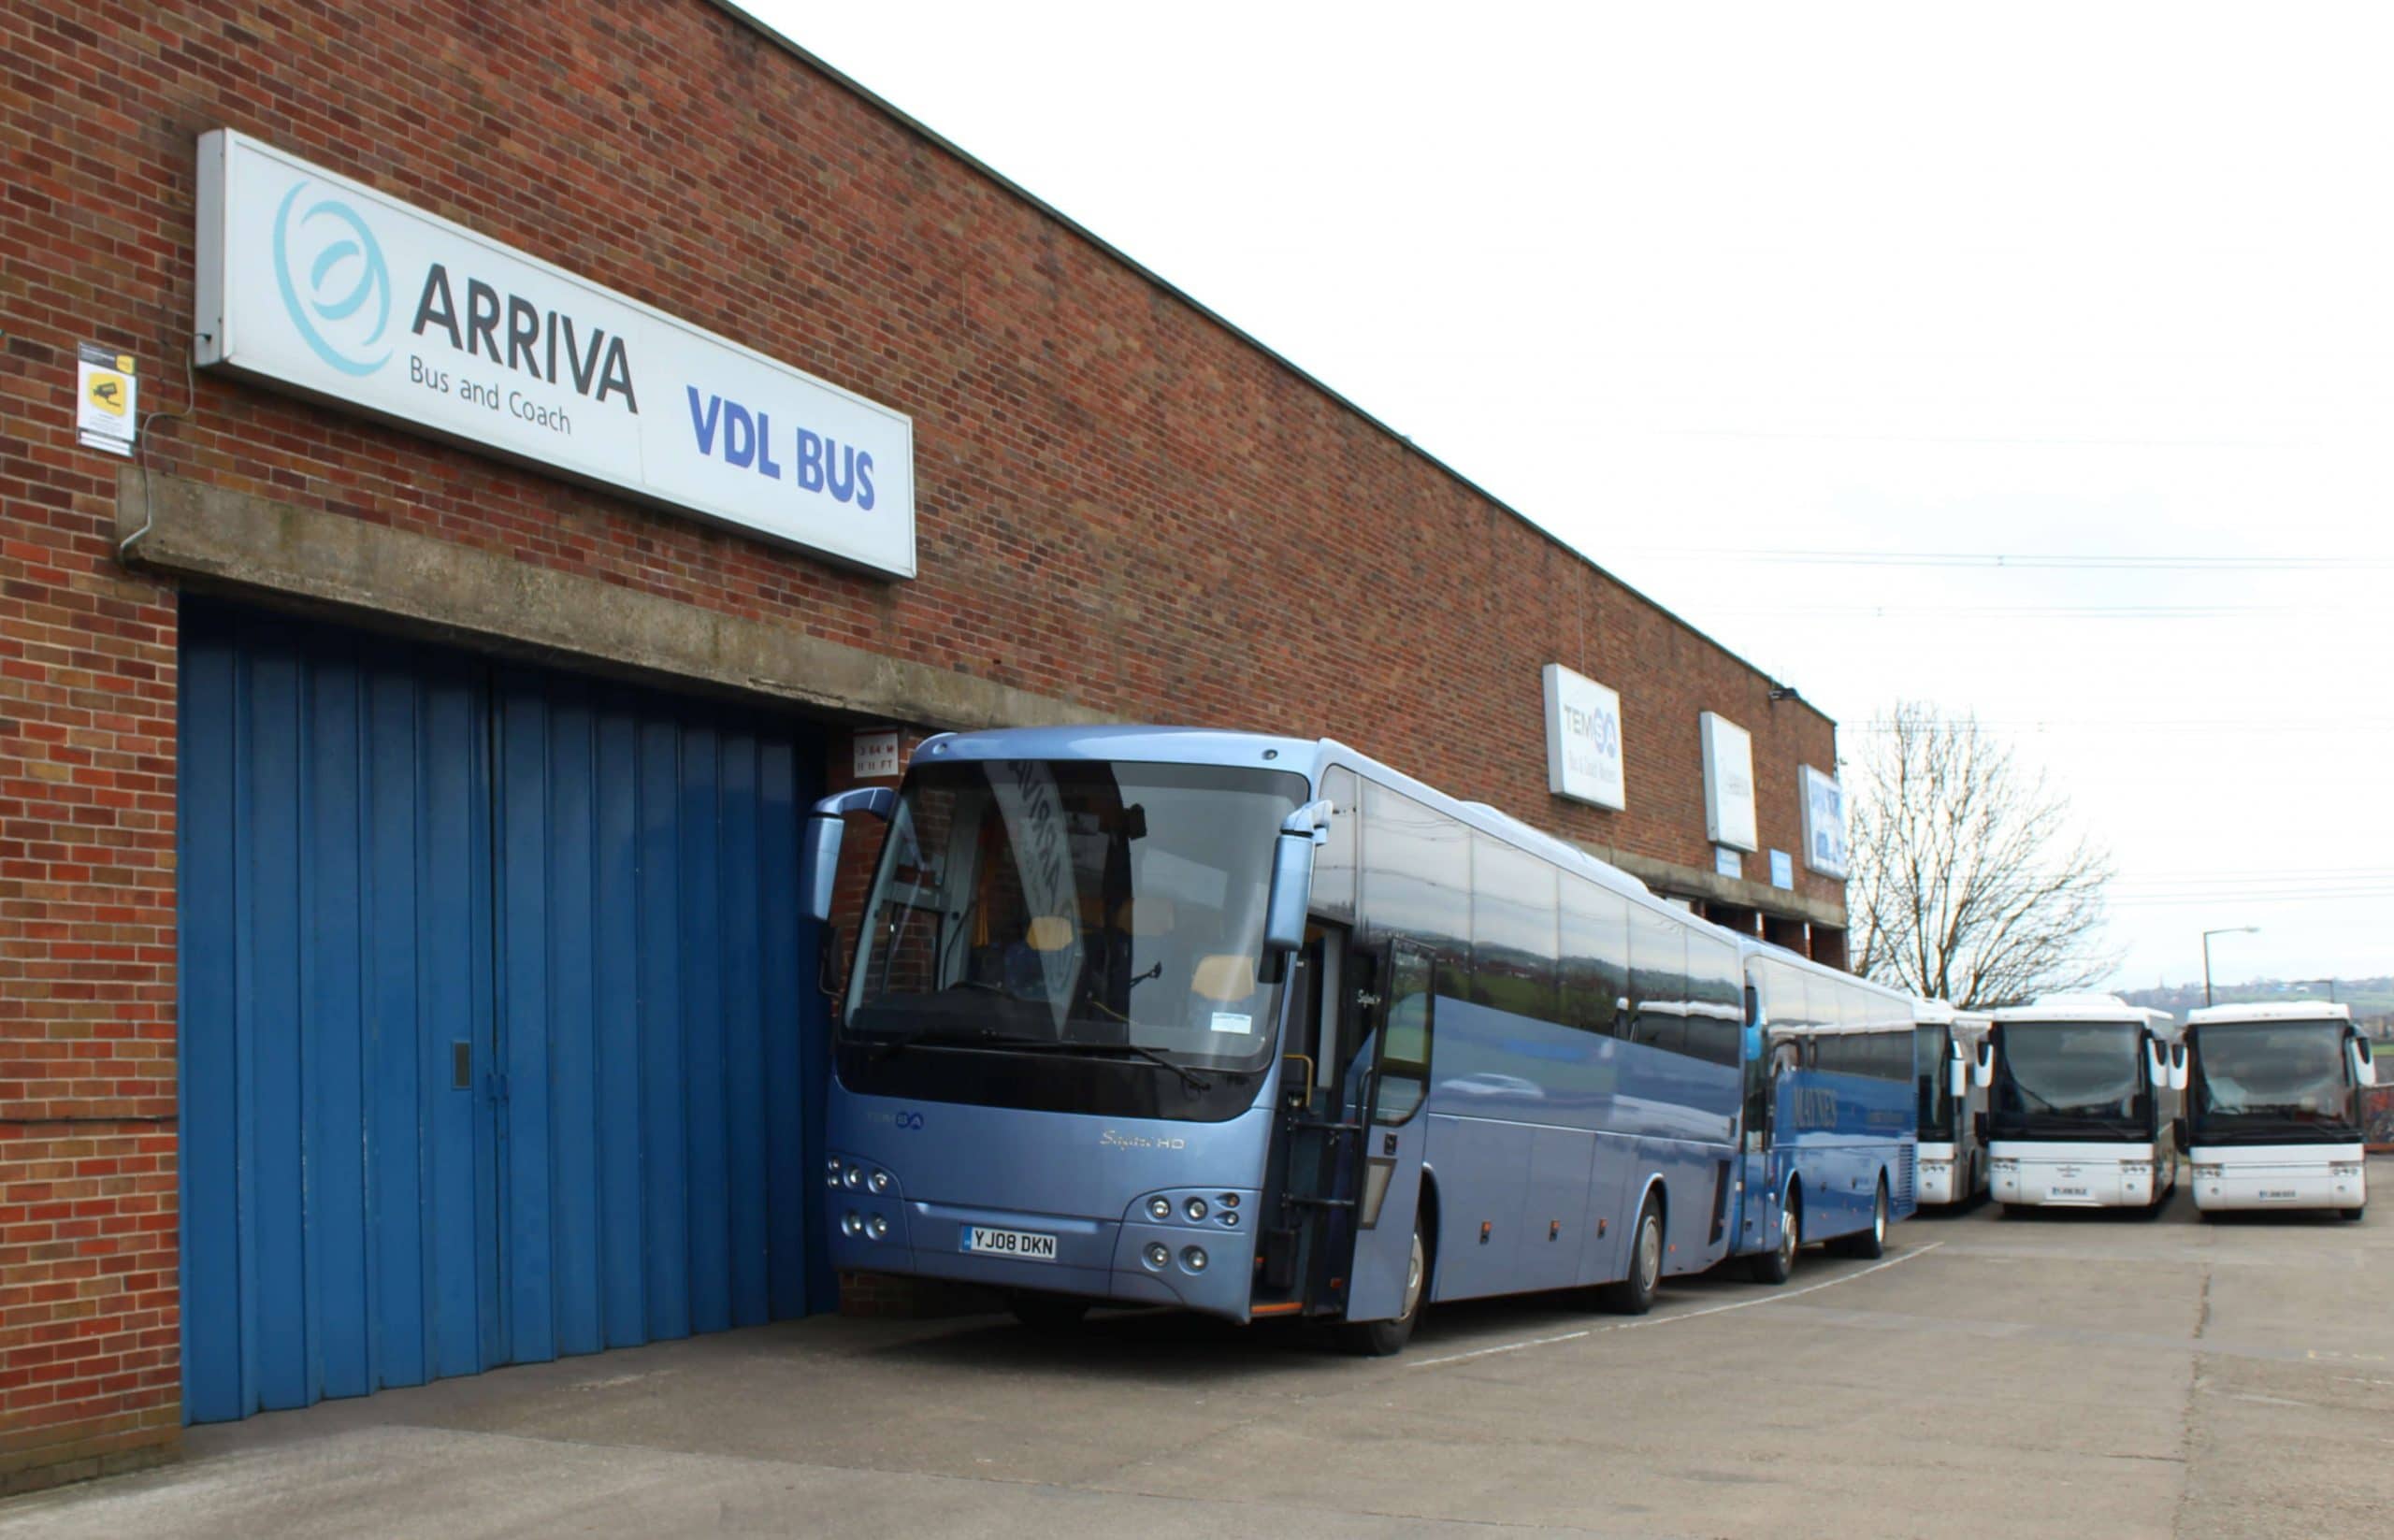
(1029, 1244)
(2066, 1192)
(2277, 1195)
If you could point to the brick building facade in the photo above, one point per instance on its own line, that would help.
(1126, 510)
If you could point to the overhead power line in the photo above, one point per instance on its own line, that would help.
(2229, 874)
(2030, 612)
(2256, 900)
(2345, 726)
(2000, 560)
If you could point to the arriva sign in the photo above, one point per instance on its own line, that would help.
(326, 287)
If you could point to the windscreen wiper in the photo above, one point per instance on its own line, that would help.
(1195, 1080)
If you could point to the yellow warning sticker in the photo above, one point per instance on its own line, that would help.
(105, 390)
(105, 403)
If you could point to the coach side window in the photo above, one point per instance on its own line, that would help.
(1715, 1001)
(1657, 980)
(1512, 930)
(1596, 956)
(1417, 878)
(1405, 1056)
(1334, 864)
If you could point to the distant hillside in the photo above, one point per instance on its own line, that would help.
(2372, 999)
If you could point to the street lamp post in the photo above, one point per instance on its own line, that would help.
(2223, 931)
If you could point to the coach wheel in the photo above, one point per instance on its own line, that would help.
(1048, 1312)
(1777, 1264)
(1871, 1243)
(1378, 1339)
(1635, 1294)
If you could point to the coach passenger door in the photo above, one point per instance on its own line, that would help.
(1755, 1206)
(1396, 1083)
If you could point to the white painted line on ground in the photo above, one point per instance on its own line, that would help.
(1507, 1347)
(1777, 1296)
(1680, 1315)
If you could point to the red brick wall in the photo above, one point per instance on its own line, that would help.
(1120, 503)
(89, 1364)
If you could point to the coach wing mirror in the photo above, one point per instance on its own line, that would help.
(1959, 1073)
(1983, 1071)
(2157, 1059)
(2364, 1063)
(818, 861)
(1292, 895)
(2178, 1073)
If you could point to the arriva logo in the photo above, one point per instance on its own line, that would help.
(344, 303)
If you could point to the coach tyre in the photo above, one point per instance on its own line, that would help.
(1635, 1294)
(1871, 1243)
(1378, 1339)
(1775, 1265)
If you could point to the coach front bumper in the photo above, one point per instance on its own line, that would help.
(1198, 1253)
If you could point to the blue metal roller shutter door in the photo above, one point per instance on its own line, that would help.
(391, 851)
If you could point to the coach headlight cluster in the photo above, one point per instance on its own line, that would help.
(1159, 1254)
(851, 1223)
(877, 1227)
(1208, 1208)
(2136, 1168)
(2207, 1173)
(1193, 1257)
(854, 1175)
(2343, 1170)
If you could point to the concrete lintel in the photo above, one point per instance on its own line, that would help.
(242, 541)
(1689, 882)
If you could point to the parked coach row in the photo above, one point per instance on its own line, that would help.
(2097, 1104)
(1263, 1027)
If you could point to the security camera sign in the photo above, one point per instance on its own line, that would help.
(105, 414)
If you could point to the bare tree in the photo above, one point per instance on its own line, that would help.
(1967, 883)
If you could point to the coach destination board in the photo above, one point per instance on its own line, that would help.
(322, 285)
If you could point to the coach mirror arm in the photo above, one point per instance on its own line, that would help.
(827, 825)
(818, 873)
(1291, 892)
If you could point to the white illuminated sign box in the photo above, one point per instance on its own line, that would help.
(1583, 740)
(1824, 823)
(1728, 783)
(320, 284)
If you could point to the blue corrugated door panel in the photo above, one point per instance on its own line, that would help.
(334, 892)
(403, 867)
(653, 1036)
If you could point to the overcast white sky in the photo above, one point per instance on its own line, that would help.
(2094, 282)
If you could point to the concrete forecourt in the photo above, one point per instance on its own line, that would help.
(2070, 1374)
